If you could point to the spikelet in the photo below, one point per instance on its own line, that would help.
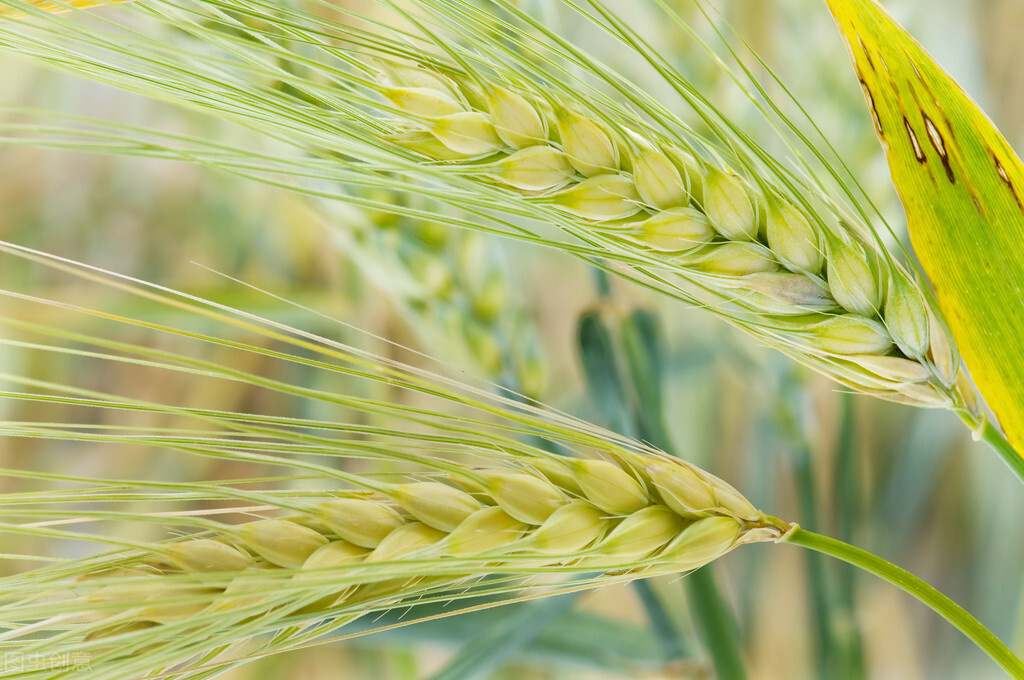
(569, 529)
(515, 119)
(658, 181)
(733, 258)
(853, 278)
(731, 206)
(281, 542)
(849, 334)
(587, 144)
(466, 132)
(362, 522)
(599, 199)
(610, 488)
(535, 168)
(437, 505)
(796, 294)
(487, 530)
(528, 498)
(791, 237)
(206, 555)
(906, 315)
(426, 102)
(701, 542)
(640, 535)
(675, 230)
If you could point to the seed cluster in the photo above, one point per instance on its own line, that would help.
(815, 289)
(452, 285)
(646, 515)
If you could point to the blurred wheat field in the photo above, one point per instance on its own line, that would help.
(906, 484)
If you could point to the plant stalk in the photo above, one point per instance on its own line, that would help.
(903, 579)
(991, 435)
(717, 626)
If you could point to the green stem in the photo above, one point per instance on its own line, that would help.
(673, 645)
(823, 633)
(717, 627)
(848, 507)
(990, 434)
(903, 579)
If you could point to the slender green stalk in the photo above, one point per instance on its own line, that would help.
(820, 601)
(991, 435)
(670, 641)
(848, 507)
(903, 579)
(717, 625)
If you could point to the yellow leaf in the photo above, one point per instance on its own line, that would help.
(963, 191)
(10, 11)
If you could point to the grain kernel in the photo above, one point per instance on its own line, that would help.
(515, 119)
(528, 498)
(601, 198)
(730, 205)
(700, 543)
(906, 315)
(681, 488)
(849, 334)
(422, 101)
(609, 487)
(791, 237)
(852, 278)
(467, 132)
(206, 555)
(280, 542)
(486, 530)
(675, 230)
(733, 259)
(588, 146)
(569, 529)
(362, 522)
(535, 168)
(437, 505)
(658, 182)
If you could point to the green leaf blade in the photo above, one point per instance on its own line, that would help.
(962, 188)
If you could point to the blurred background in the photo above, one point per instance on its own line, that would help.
(906, 484)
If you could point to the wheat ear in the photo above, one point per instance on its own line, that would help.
(644, 514)
(451, 284)
(816, 289)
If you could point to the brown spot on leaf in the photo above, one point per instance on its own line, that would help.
(871, 105)
(1001, 171)
(935, 137)
(867, 55)
(916, 72)
(916, 145)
